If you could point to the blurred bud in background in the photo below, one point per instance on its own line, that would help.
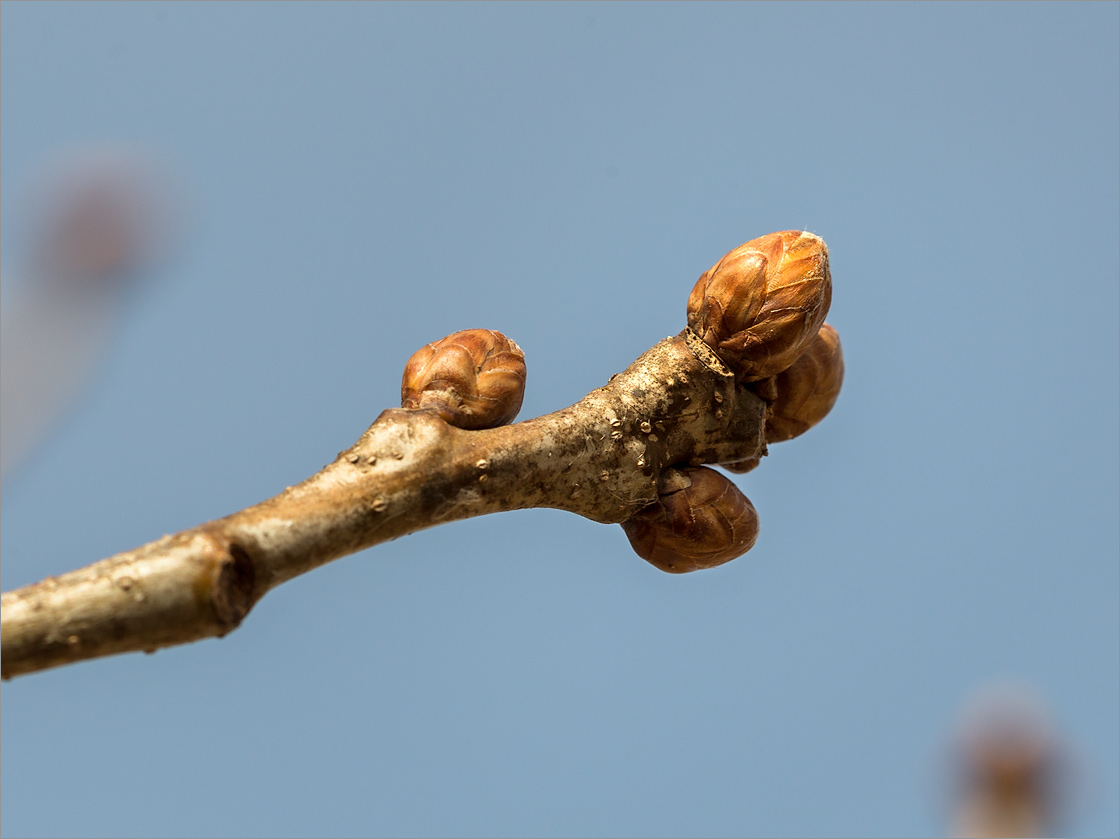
(1009, 766)
(97, 221)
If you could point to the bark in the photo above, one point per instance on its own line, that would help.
(677, 404)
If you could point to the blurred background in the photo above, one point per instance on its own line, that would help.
(225, 228)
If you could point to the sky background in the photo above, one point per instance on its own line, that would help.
(352, 181)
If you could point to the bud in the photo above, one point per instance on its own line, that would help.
(700, 520)
(807, 390)
(741, 467)
(761, 305)
(473, 379)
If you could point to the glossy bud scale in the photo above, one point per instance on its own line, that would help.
(700, 520)
(761, 305)
(473, 379)
(807, 390)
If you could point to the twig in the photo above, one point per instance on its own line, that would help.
(756, 364)
(601, 458)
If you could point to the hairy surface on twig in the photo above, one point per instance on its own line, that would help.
(601, 458)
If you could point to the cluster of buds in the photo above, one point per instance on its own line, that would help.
(756, 365)
(761, 309)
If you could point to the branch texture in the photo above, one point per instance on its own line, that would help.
(600, 458)
(756, 364)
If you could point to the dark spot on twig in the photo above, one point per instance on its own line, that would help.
(232, 594)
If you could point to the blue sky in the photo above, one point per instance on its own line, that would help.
(354, 180)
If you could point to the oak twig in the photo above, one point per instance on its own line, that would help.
(601, 458)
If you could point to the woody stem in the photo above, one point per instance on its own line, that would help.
(410, 470)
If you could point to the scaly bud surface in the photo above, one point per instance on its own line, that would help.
(808, 389)
(700, 520)
(761, 305)
(473, 379)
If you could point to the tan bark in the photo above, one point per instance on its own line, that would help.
(677, 404)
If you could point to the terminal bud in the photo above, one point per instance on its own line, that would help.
(761, 305)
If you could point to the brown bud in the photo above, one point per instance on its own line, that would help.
(700, 520)
(807, 390)
(741, 467)
(473, 379)
(761, 305)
